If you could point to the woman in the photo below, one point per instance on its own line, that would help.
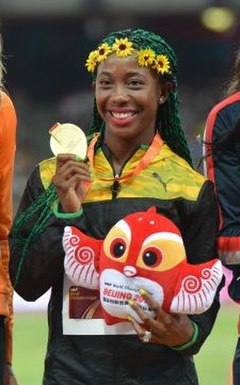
(222, 159)
(7, 155)
(139, 158)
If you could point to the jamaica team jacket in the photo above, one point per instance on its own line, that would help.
(178, 192)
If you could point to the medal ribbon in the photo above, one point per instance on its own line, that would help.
(151, 152)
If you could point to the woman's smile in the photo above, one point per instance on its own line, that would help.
(122, 117)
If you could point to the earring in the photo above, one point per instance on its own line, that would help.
(161, 100)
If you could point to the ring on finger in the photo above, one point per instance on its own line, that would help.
(147, 336)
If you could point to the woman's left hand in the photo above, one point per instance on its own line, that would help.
(165, 328)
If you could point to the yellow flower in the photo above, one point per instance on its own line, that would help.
(123, 47)
(103, 52)
(146, 57)
(92, 61)
(162, 64)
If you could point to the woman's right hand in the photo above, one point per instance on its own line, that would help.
(72, 180)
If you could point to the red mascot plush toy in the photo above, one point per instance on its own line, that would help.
(144, 250)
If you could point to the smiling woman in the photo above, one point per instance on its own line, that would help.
(138, 158)
(153, 69)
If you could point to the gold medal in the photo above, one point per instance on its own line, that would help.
(68, 138)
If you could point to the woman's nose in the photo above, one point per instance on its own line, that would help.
(119, 94)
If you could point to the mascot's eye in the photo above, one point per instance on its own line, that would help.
(118, 247)
(152, 257)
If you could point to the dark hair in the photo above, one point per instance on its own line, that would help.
(233, 86)
(168, 119)
(2, 69)
(234, 83)
(232, 135)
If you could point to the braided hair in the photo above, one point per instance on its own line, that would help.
(168, 119)
(234, 83)
(39, 212)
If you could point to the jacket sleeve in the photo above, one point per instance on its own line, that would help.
(8, 123)
(36, 265)
(201, 247)
(222, 165)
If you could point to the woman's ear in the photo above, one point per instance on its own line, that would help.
(164, 89)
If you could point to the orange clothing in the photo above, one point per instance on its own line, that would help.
(8, 122)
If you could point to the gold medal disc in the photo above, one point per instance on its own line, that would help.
(68, 138)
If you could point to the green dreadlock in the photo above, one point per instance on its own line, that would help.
(168, 118)
(41, 210)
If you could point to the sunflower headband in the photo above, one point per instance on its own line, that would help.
(122, 48)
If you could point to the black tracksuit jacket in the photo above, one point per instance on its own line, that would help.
(178, 192)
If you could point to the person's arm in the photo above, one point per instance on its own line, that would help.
(35, 266)
(8, 122)
(36, 241)
(222, 166)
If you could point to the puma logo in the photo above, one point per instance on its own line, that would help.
(158, 177)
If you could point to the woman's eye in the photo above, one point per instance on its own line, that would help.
(104, 83)
(135, 83)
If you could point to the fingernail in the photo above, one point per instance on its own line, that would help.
(131, 302)
(143, 292)
(78, 158)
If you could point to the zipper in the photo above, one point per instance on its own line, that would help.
(116, 187)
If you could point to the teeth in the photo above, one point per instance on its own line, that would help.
(122, 115)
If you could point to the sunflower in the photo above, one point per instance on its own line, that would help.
(123, 47)
(92, 61)
(104, 51)
(146, 57)
(161, 64)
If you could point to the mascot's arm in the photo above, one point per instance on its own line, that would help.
(81, 262)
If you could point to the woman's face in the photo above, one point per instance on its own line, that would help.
(127, 98)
